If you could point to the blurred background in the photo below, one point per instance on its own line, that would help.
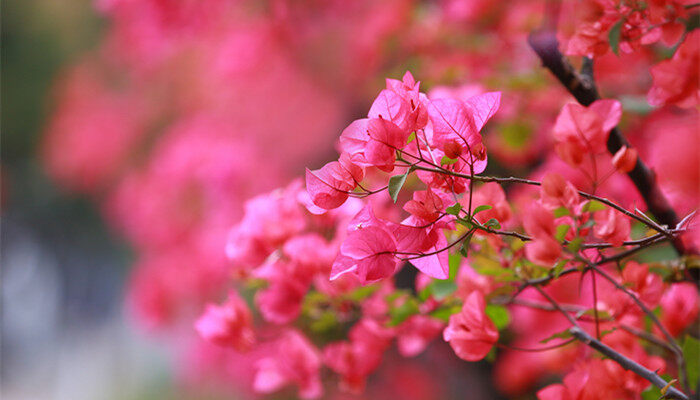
(64, 334)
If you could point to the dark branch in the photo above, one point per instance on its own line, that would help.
(626, 363)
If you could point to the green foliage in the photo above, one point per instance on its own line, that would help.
(481, 208)
(575, 244)
(499, 315)
(464, 247)
(691, 353)
(562, 230)
(565, 334)
(614, 36)
(444, 313)
(399, 314)
(447, 160)
(593, 206)
(493, 223)
(454, 209)
(396, 183)
(561, 211)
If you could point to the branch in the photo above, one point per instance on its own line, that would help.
(545, 44)
(626, 363)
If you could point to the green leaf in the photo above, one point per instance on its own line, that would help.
(324, 323)
(561, 211)
(447, 160)
(464, 222)
(402, 312)
(561, 232)
(396, 183)
(559, 335)
(464, 247)
(443, 288)
(575, 244)
(499, 315)
(481, 208)
(558, 268)
(614, 36)
(455, 260)
(454, 209)
(691, 353)
(411, 137)
(362, 292)
(445, 313)
(593, 206)
(493, 223)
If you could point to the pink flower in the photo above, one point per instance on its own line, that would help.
(583, 130)
(611, 226)
(385, 138)
(647, 285)
(368, 252)
(543, 249)
(456, 126)
(416, 333)
(491, 194)
(280, 302)
(557, 192)
(471, 333)
(595, 379)
(354, 360)
(293, 360)
(329, 186)
(229, 324)
(539, 221)
(625, 159)
(680, 307)
(676, 80)
(417, 115)
(426, 205)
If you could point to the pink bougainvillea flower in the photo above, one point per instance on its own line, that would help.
(330, 186)
(456, 125)
(355, 359)
(408, 89)
(368, 252)
(647, 285)
(539, 223)
(416, 333)
(679, 306)
(426, 205)
(390, 106)
(543, 251)
(228, 324)
(557, 192)
(677, 81)
(491, 194)
(611, 226)
(595, 379)
(583, 130)
(280, 302)
(385, 138)
(625, 159)
(471, 333)
(292, 360)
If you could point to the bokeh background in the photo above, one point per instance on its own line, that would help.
(64, 334)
